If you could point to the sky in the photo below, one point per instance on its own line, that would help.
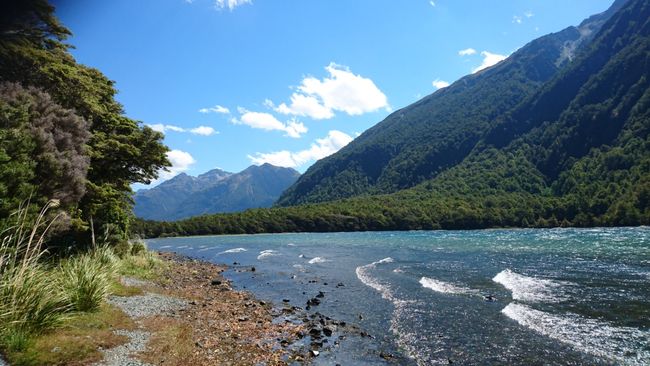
(232, 83)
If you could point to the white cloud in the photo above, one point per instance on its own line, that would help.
(230, 4)
(489, 59)
(341, 91)
(216, 109)
(201, 130)
(439, 84)
(180, 160)
(432, 3)
(529, 14)
(266, 121)
(467, 52)
(517, 19)
(321, 148)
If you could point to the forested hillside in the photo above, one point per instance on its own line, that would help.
(422, 140)
(575, 152)
(63, 136)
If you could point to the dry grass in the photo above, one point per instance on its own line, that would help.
(171, 343)
(77, 341)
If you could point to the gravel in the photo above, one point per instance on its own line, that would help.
(130, 281)
(148, 304)
(3, 362)
(121, 356)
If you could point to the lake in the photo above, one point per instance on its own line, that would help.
(538, 296)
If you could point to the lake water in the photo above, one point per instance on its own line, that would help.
(559, 296)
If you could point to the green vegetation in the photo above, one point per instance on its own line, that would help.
(574, 153)
(51, 302)
(62, 133)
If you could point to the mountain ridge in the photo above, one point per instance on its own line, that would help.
(419, 141)
(212, 192)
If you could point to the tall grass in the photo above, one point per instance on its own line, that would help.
(30, 300)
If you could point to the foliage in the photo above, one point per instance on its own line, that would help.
(575, 153)
(85, 281)
(120, 151)
(29, 298)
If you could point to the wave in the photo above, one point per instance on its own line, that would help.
(317, 260)
(233, 250)
(443, 287)
(363, 274)
(624, 345)
(267, 253)
(531, 289)
(165, 247)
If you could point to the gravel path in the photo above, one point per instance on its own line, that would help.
(148, 304)
(140, 306)
(121, 356)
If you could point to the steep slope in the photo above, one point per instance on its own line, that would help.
(212, 192)
(575, 153)
(422, 140)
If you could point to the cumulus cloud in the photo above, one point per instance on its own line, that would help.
(439, 84)
(180, 160)
(467, 52)
(489, 59)
(341, 91)
(321, 148)
(432, 3)
(201, 130)
(216, 109)
(230, 4)
(266, 121)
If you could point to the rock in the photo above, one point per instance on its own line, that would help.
(315, 353)
(242, 319)
(314, 301)
(340, 284)
(285, 300)
(324, 283)
(327, 331)
(252, 269)
(386, 356)
(215, 282)
(235, 263)
(321, 294)
(489, 298)
(315, 332)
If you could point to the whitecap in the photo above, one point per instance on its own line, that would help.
(624, 345)
(363, 274)
(531, 289)
(165, 247)
(233, 250)
(317, 260)
(443, 287)
(291, 245)
(267, 253)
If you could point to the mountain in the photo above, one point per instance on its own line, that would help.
(213, 192)
(574, 152)
(418, 142)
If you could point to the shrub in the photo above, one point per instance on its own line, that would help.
(138, 247)
(29, 298)
(122, 248)
(85, 281)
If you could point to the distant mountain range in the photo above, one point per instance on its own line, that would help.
(558, 134)
(213, 192)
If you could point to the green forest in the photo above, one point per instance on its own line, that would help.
(570, 151)
(63, 136)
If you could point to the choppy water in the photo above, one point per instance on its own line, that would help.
(561, 296)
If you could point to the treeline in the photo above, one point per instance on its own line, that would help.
(63, 136)
(575, 153)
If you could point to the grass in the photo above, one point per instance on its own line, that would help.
(55, 313)
(76, 341)
(171, 343)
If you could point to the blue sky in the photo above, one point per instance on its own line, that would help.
(236, 82)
